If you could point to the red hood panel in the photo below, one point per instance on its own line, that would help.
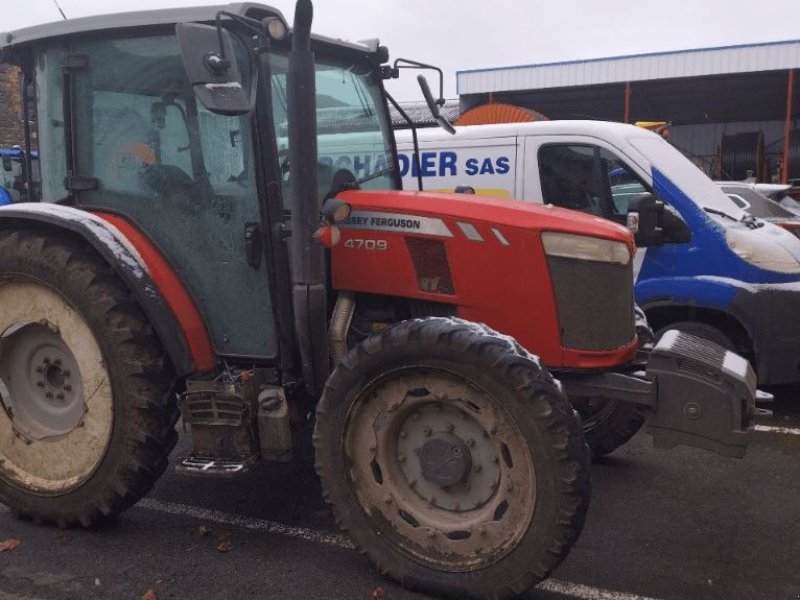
(497, 211)
(483, 256)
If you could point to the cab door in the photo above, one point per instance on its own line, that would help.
(144, 150)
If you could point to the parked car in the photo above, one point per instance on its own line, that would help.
(749, 197)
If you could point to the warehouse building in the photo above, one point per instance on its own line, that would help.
(732, 110)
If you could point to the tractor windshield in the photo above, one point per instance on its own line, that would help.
(352, 127)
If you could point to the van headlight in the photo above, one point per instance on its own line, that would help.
(761, 251)
(582, 247)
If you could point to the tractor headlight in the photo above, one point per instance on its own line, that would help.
(581, 247)
(758, 249)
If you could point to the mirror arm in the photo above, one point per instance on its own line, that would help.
(413, 127)
(405, 63)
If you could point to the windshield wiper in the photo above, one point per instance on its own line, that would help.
(749, 221)
(375, 175)
(720, 213)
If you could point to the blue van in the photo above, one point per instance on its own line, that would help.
(736, 282)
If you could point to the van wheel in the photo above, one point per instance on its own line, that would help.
(452, 459)
(86, 417)
(608, 424)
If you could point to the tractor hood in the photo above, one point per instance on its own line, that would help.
(428, 213)
(559, 281)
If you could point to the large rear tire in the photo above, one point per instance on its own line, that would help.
(452, 459)
(86, 417)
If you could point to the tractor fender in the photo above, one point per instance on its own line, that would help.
(120, 254)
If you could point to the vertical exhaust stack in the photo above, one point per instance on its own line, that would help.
(309, 294)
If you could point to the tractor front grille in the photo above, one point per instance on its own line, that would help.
(594, 301)
(431, 265)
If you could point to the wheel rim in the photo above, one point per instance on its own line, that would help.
(439, 468)
(55, 391)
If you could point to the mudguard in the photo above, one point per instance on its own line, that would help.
(115, 248)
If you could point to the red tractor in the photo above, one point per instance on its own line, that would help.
(193, 254)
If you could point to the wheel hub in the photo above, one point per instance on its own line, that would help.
(445, 460)
(456, 467)
(45, 394)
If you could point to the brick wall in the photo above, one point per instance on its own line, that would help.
(10, 107)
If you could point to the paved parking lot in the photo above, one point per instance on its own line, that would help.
(681, 524)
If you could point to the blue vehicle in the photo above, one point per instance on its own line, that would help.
(735, 282)
(13, 184)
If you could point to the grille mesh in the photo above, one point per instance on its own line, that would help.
(594, 303)
(431, 265)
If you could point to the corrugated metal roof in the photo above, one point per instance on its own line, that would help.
(421, 115)
(659, 65)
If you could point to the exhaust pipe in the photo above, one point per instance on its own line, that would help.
(309, 292)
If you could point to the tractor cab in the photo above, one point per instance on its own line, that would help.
(127, 137)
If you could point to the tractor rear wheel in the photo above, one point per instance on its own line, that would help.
(452, 459)
(86, 421)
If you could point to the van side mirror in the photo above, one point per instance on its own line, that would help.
(7, 164)
(210, 62)
(653, 223)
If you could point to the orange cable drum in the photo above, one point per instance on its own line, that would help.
(497, 112)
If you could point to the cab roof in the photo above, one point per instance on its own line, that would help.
(145, 18)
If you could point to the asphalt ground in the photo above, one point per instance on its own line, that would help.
(678, 524)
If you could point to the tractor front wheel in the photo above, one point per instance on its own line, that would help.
(452, 459)
(86, 421)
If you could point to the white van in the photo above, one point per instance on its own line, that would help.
(736, 282)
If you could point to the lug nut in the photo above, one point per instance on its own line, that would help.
(46, 360)
(48, 394)
(40, 384)
(449, 427)
(57, 362)
(387, 500)
(60, 395)
(68, 387)
(495, 460)
(427, 431)
(470, 442)
(40, 369)
(67, 372)
(477, 468)
(401, 458)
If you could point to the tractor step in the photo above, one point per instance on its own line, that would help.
(213, 467)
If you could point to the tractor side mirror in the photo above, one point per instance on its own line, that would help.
(433, 105)
(210, 62)
(653, 223)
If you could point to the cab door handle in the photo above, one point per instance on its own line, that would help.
(253, 246)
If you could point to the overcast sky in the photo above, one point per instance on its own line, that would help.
(470, 34)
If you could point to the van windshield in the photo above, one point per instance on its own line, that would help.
(682, 172)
